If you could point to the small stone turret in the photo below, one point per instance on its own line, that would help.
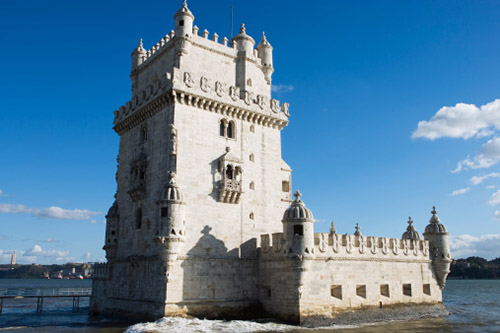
(265, 53)
(183, 21)
(112, 223)
(410, 232)
(298, 228)
(439, 246)
(243, 41)
(137, 56)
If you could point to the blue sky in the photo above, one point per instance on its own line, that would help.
(365, 81)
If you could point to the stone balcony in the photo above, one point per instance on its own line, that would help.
(230, 191)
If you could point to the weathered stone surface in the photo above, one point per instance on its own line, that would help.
(204, 223)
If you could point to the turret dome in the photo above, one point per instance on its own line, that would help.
(435, 226)
(410, 232)
(172, 192)
(297, 211)
(184, 11)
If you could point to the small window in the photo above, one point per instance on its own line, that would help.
(361, 290)
(230, 130)
(222, 128)
(112, 233)
(252, 128)
(384, 290)
(336, 291)
(164, 211)
(229, 172)
(252, 185)
(181, 23)
(251, 157)
(249, 82)
(251, 216)
(407, 289)
(285, 186)
(144, 134)
(427, 289)
(138, 218)
(298, 230)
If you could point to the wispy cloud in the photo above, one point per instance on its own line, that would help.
(479, 179)
(37, 251)
(281, 88)
(495, 199)
(460, 191)
(51, 212)
(487, 157)
(2, 194)
(489, 187)
(50, 240)
(461, 121)
(486, 246)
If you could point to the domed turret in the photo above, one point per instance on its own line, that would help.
(137, 55)
(183, 21)
(410, 232)
(439, 247)
(298, 228)
(243, 41)
(265, 52)
(112, 224)
(172, 212)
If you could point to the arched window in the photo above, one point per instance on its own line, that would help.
(144, 133)
(251, 157)
(252, 128)
(230, 130)
(252, 185)
(138, 218)
(222, 128)
(229, 172)
(251, 216)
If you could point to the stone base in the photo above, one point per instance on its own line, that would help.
(375, 315)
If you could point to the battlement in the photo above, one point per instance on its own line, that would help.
(204, 93)
(100, 271)
(354, 247)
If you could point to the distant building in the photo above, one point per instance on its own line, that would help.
(204, 222)
(13, 258)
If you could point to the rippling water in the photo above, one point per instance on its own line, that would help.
(474, 306)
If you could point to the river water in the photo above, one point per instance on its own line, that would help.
(474, 306)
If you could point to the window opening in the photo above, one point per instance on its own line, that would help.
(285, 186)
(222, 128)
(230, 130)
(361, 290)
(164, 211)
(229, 172)
(138, 218)
(336, 291)
(298, 230)
(427, 289)
(384, 290)
(407, 289)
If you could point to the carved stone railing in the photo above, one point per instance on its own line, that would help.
(230, 191)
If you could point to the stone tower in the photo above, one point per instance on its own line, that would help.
(439, 247)
(200, 175)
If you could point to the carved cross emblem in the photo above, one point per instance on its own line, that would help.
(188, 80)
(234, 92)
(219, 88)
(204, 84)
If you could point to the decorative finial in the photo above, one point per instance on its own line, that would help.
(242, 29)
(140, 43)
(410, 221)
(332, 228)
(185, 4)
(357, 232)
(434, 211)
(172, 178)
(263, 35)
(297, 195)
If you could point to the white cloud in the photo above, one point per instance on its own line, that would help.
(51, 212)
(461, 121)
(50, 240)
(479, 179)
(497, 214)
(2, 194)
(36, 253)
(495, 199)
(460, 191)
(86, 256)
(281, 88)
(487, 157)
(485, 246)
(489, 187)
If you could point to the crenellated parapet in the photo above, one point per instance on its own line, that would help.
(352, 247)
(204, 93)
(100, 271)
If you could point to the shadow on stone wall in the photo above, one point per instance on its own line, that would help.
(218, 283)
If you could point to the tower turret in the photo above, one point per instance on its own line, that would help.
(243, 41)
(184, 21)
(112, 224)
(137, 56)
(410, 232)
(439, 246)
(265, 52)
(298, 228)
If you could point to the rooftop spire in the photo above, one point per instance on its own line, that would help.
(357, 232)
(297, 195)
(243, 30)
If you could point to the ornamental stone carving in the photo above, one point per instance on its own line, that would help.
(335, 243)
(285, 109)
(234, 93)
(205, 87)
(261, 102)
(220, 89)
(173, 136)
(188, 80)
(248, 97)
(275, 105)
(323, 242)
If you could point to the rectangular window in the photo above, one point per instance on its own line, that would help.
(427, 289)
(181, 23)
(407, 289)
(298, 230)
(384, 290)
(285, 186)
(336, 291)
(164, 211)
(361, 290)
